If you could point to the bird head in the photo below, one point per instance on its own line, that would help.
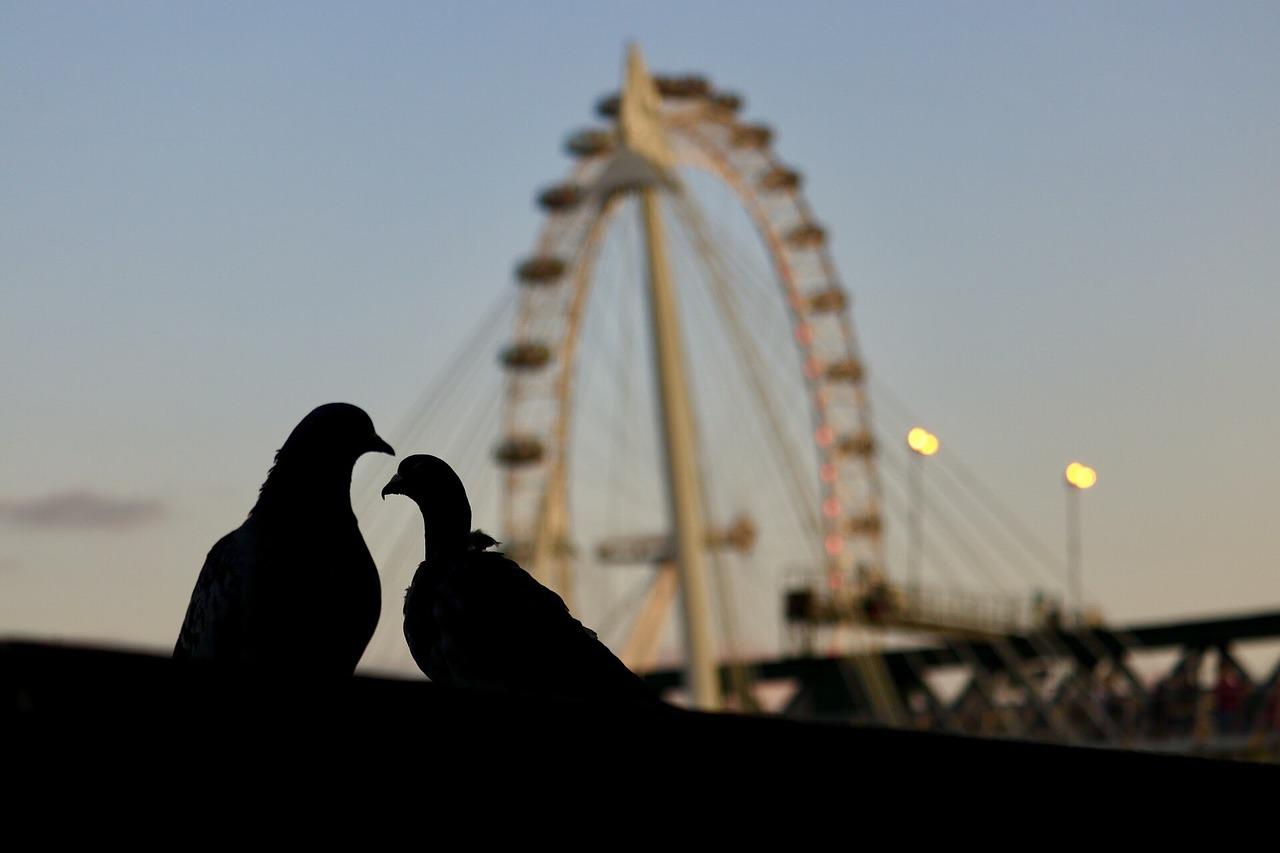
(337, 431)
(430, 483)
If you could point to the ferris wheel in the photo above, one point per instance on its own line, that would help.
(760, 447)
(676, 436)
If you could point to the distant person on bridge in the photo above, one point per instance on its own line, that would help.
(1267, 725)
(472, 617)
(1229, 694)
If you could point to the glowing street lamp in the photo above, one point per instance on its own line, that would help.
(922, 441)
(1078, 477)
(1081, 476)
(922, 444)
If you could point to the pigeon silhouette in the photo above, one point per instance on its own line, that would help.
(474, 617)
(294, 588)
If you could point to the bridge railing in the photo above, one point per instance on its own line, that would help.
(922, 608)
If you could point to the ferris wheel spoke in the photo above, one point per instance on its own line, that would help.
(1010, 526)
(755, 430)
(789, 461)
(450, 382)
(610, 623)
(580, 440)
(972, 562)
(641, 645)
(996, 540)
(768, 332)
(739, 437)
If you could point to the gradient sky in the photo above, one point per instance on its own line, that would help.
(1061, 224)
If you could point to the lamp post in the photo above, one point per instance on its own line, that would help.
(1078, 477)
(923, 444)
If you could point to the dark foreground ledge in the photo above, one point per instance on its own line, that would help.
(153, 710)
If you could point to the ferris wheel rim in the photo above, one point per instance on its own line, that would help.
(566, 348)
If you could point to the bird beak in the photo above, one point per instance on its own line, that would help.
(392, 487)
(380, 446)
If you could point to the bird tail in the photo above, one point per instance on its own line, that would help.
(478, 540)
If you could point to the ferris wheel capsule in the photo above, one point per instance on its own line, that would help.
(864, 525)
(589, 143)
(827, 301)
(686, 86)
(780, 178)
(807, 236)
(845, 370)
(526, 355)
(727, 101)
(751, 136)
(541, 269)
(859, 443)
(519, 450)
(561, 197)
(608, 105)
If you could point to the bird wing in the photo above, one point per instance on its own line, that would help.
(215, 620)
(524, 635)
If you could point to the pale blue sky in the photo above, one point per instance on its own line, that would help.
(1059, 222)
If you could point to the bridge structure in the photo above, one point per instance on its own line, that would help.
(677, 435)
(1057, 684)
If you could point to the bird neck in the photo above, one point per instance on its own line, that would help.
(443, 545)
(445, 527)
(298, 489)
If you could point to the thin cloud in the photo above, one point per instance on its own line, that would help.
(81, 510)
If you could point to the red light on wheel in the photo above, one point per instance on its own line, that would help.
(831, 507)
(835, 544)
(824, 435)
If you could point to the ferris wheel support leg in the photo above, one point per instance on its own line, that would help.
(683, 488)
